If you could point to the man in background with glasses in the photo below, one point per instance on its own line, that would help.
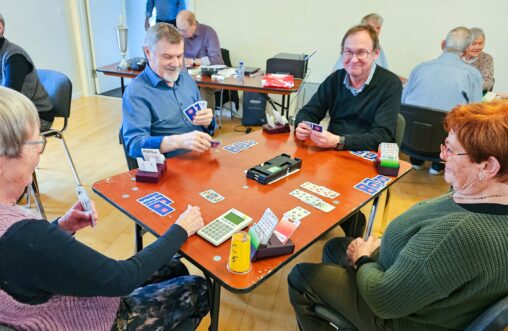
(375, 21)
(444, 83)
(362, 99)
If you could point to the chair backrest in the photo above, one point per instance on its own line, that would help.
(423, 133)
(131, 162)
(225, 56)
(59, 88)
(401, 126)
(494, 318)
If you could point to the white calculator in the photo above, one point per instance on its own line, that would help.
(223, 227)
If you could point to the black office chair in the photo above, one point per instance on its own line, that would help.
(59, 88)
(231, 95)
(132, 164)
(423, 133)
(492, 319)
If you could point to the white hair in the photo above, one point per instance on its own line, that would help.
(18, 120)
(457, 40)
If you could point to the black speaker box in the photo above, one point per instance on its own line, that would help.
(254, 106)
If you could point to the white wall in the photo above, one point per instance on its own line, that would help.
(412, 32)
(44, 30)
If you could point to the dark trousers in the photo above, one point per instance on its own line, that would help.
(354, 225)
(331, 284)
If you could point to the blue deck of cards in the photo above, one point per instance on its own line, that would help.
(158, 203)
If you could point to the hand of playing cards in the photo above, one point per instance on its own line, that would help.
(204, 119)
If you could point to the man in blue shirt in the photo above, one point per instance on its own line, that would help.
(445, 82)
(166, 11)
(153, 103)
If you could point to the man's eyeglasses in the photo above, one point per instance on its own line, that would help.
(41, 141)
(361, 54)
(446, 151)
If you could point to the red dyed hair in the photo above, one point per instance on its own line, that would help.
(482, 129)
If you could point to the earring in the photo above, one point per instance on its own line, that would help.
(481, 176)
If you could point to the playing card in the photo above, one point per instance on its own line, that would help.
(297, 213)
(312, 200)
(201, 105)
(381, 178)
(190, 112)
(317, 127)
(372, 183)
(211, 196)
(215, 143)
(232, 149)
(152, 197)
(321, 190)
(160, 208)
(364, 188)
(371, 156)
(358, 153)
(285, 229)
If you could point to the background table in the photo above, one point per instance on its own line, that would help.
(250, 84)
(222, 171)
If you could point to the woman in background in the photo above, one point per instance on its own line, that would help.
(476, 57)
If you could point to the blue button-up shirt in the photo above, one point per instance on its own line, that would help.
(151, 110)
(166, 9)
(443, 83)
(356, 91)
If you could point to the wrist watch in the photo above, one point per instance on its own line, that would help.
(340, 145)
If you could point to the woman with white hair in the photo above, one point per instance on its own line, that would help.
(50, 281)
(476, 57)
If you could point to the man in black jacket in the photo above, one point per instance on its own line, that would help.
(363, 101)
(17, 71)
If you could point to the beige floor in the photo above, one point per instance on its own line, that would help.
(92, 137)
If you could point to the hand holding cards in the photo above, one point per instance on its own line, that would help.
(314, 126)
(85, 202)
(199, 114)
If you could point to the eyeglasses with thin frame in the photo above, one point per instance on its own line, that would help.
(361, 54)
(42, 141)
(446, 151)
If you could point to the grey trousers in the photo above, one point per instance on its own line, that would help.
(331, 284)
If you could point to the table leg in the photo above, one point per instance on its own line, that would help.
(214, 290)
(122, 84)
(220, 108)
(138, 237)
(372, 216)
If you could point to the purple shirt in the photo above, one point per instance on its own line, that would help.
(204, 44)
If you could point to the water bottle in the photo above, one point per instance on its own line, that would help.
(241, 72)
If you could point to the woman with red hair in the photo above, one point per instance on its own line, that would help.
(440, 264)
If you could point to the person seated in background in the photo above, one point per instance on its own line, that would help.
(153, 103)
(363, 101)
(50, 281)
(440, 264)
(482, 61)
(376, 22)
(202, 47)
(166, 11)
(18, 73)
(444, 83)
